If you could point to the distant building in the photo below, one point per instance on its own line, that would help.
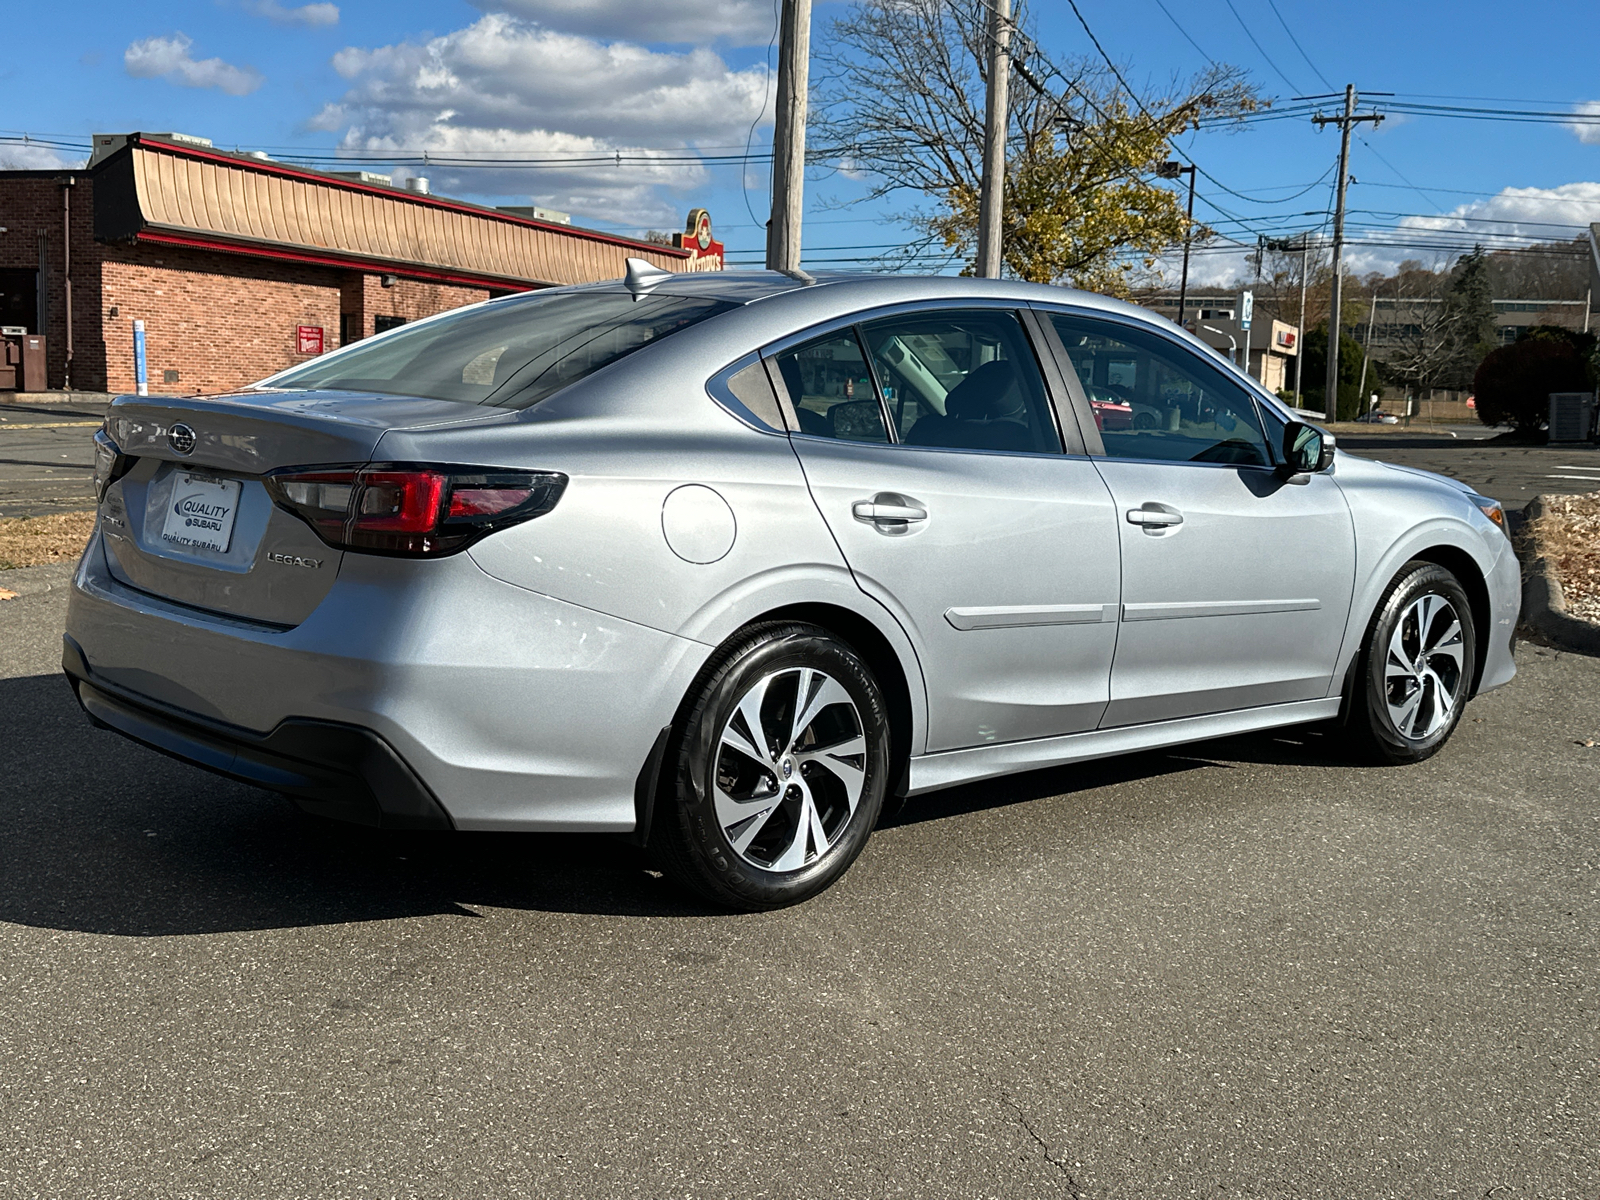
(1213, 318)
(1396, 323)
(237, 266)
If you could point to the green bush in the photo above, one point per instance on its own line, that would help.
(1513, 384)
(1315, 366)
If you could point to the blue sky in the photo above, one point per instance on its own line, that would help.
(558, 76)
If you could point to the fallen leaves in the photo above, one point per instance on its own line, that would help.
(7, 594)
(1568, 535)
(35, 541)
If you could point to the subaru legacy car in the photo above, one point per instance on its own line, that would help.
(726, 562)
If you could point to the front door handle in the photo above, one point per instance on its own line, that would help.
(888, 510)
(1154, 515)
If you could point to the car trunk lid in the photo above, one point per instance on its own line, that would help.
(190, 520)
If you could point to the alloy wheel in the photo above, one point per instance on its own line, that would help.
(1424, 667)
(789, 770)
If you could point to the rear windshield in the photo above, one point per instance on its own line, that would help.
(510, 354)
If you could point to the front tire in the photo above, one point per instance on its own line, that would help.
(1416, 667)
(776, 770)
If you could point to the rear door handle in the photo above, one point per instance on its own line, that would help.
(1157, 515)
(888, 508)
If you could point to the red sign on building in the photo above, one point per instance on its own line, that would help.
(308, 338)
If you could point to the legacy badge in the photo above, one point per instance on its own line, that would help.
(293, 560)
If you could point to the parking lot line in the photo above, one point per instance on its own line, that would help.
(6, 426)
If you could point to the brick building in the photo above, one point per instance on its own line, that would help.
(238, 266)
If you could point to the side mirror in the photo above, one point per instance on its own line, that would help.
(1306, 449)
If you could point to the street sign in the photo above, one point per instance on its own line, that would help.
(141, 379)
(1247, 304)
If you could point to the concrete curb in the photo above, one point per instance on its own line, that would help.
(1544, 607)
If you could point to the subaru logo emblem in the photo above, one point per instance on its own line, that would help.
(181, 438)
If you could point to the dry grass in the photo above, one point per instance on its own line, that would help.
(1568, 534)
(35, 541)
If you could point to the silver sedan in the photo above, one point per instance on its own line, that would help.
(727, 562)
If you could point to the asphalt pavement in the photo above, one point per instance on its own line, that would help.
(47, 452)
(1236, 968)
(1511, 474)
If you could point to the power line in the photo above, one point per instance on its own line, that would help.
(1161, 4)
(1258, 45)
(744, 176)
(1298, 46)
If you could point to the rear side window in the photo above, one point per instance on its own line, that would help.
(961, 380)
(510, 354)
(830, 386)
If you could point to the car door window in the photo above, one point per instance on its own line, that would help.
(962, 380)
(1157, 400)
(830, 388)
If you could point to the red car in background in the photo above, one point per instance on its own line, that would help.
(1110, 410)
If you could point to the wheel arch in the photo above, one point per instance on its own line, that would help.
(1466, 569)
(1381, 554)
(867, 640)
(901, 680)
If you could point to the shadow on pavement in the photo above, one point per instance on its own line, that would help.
(99, 835)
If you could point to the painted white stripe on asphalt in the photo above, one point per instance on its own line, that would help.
(1585, 478)
(8, 427)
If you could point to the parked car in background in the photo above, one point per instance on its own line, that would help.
(1378, 417)
(1110, 410)
(727, 562)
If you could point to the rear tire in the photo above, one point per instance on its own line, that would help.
(775, 772)
(1416, 667)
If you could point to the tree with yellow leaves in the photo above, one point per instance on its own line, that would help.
(901, 103)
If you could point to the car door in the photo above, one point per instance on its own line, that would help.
(931, 449)
(1236, 582)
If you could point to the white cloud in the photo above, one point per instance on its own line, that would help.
(506, 87)
(311, 15)
(27, 157)
(1556, 214)
(697, 22)
(1588, 131)
(168, 58)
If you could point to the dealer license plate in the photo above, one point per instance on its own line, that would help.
(202, 511)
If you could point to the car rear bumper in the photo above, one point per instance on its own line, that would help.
(332, 770)
(422, 693)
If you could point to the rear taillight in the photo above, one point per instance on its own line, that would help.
(413, 509)
(110, 463)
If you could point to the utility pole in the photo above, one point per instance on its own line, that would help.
(1366, 351)
(789, 137)
(1173, 170)
(1345, 123)
(996, 124)
(1300, 324)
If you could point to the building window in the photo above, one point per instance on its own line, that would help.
(382, 324)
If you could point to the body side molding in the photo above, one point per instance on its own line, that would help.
(950, 767)
(1222, 608)
(1014, 616)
